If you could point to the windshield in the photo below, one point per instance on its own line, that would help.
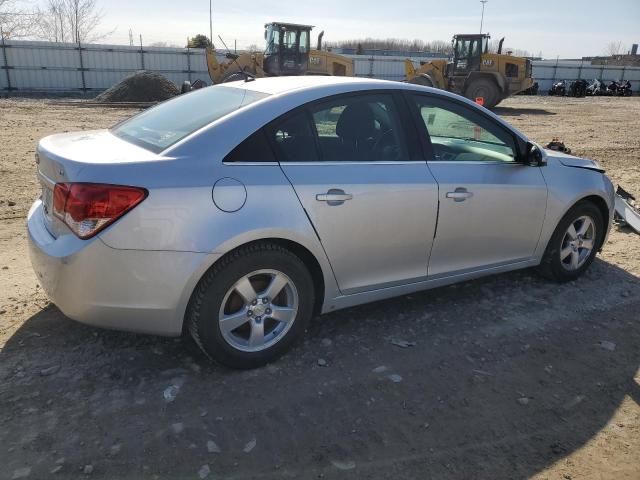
(160, 127)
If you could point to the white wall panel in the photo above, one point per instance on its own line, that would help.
(55, 67)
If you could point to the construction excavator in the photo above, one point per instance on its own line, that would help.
(287, 52)
(475, 73)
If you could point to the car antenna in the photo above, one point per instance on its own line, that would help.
(233, 56)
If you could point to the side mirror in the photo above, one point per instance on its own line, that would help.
(534, 156)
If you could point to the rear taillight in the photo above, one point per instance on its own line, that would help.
(88, 208)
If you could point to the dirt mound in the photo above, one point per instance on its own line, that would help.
(141, 86)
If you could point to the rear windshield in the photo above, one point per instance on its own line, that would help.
(160, 127)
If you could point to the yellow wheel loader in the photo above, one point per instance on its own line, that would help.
(287, 52)
(474, 72)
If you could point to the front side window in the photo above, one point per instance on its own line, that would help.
(459, 134)
(359, 128)
(160, 127)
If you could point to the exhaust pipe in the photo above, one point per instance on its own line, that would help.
(500, 45)
(320, 35)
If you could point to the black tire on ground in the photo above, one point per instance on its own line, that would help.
(233, 77)
(202, 317)
(485, 88)
(551, 266)
(421, 80)
(186, 87)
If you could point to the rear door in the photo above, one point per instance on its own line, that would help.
(491, 206)
(354, 167)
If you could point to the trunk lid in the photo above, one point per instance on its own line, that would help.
(80, 157)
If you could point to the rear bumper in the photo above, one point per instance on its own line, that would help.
(133, 290)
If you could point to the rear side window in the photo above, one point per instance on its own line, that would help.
(160, 127)
(253, 149)
(294, 139)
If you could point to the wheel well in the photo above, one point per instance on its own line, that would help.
(602, 206)
(304, 254)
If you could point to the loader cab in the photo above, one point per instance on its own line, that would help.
(467, 53)
(287, 50)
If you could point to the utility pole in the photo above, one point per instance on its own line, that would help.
(483, 2)
(211, 22)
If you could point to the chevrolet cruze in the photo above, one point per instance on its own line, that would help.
(239, 211)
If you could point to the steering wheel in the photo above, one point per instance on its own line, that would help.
(384, 140)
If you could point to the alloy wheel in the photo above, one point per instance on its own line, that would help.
(578, 243)
(258, 310)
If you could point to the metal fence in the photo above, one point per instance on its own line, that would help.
(66, 68)
(48, 67)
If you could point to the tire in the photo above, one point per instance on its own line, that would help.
(486, 88)
(553, 265)
(421, 80)
(217, 296)
(186, 87)
(233, 77)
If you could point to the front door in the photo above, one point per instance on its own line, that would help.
(371, 202)
(491, 207)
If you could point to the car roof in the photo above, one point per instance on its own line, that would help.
(279, 85)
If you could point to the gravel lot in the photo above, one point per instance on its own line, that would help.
(510, 376)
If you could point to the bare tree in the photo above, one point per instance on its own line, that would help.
(16, 19)
(53, 22)
(253, 48)
(614, 48)
(165, 45)
(83, 18)
(71, 21)
(394, 44)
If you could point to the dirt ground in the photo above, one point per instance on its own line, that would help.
(511, 376)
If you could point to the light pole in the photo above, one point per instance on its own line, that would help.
(483, 2)
(211, 21)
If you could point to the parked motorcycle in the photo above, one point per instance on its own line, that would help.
(596, 88)
(624, 88)
(578, 88)
(612, 88)
(559, 89)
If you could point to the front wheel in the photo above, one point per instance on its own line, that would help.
(252, 306)
(234, 77)
(485, 89)
(574, 244)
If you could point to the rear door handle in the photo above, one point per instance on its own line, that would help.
(334, 197)
(460, 194)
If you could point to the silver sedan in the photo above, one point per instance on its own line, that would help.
(239, 211)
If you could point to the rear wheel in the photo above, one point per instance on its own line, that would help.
(250, 308)
(574, 244)
(485, 88)
(421, 80)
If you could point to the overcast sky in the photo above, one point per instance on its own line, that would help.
(568, 28)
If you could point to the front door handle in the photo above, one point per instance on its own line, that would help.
(334, 197)
(460, 194)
